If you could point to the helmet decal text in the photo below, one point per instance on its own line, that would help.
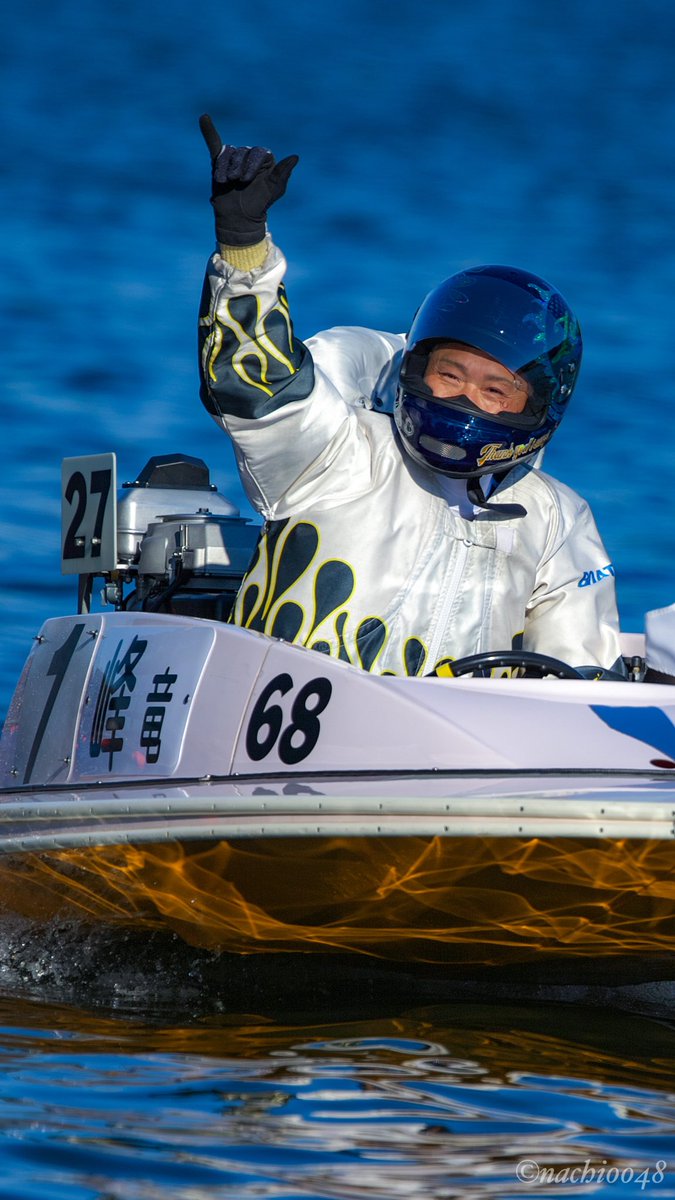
(498, 452)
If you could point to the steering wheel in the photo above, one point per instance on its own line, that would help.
(534, 665)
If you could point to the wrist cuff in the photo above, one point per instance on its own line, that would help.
(245, 258)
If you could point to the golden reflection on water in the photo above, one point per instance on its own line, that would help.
(477, 1043)
(427, 899)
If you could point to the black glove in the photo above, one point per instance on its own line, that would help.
(245, 181)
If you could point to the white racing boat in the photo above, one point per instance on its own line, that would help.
(160, 768)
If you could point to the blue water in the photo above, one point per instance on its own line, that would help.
(440, 1102)
(430, 137)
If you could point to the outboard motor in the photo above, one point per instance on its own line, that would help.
(180, 547)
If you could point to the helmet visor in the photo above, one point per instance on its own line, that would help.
(464, 441)
(520, 407)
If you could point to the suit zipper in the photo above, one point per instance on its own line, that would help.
(450, 596)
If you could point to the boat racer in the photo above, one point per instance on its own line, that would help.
(405, 521)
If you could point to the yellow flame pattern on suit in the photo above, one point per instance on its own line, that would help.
(251, 343)
(291, 592)
(452, 900)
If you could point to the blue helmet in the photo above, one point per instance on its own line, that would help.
(523, 323)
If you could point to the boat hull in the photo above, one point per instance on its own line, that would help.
(167, 773)
(459, 901)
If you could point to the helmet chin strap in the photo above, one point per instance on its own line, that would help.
(498, 512)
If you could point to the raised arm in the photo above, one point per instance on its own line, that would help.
(249, 362)
(288, 408)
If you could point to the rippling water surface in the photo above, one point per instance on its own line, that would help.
(430, 138)
(441, 1101)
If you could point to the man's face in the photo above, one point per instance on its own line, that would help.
(457, 370)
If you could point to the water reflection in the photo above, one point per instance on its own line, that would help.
(439, 1101)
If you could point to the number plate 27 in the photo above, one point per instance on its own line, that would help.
(88, 514)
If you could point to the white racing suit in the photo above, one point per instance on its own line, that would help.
(364, 554)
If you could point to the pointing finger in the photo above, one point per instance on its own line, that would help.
(211, 136)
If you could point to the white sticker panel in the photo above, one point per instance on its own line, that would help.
(300, 715)
(140, 695)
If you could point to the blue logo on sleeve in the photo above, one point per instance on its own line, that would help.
(590, 577)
